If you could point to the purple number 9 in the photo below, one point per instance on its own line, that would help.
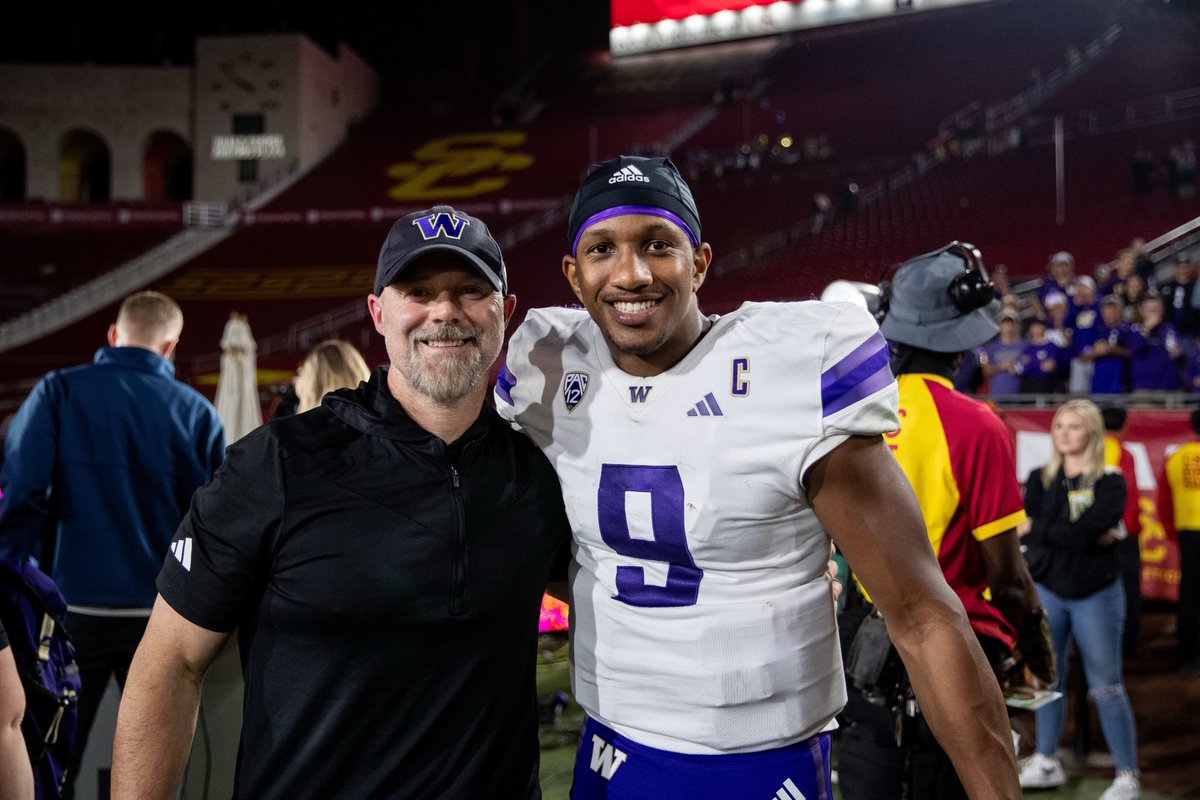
(665, 487)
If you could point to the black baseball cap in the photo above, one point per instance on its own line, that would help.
(633, 185)
(440, 229)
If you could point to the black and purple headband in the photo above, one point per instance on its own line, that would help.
(633, 185)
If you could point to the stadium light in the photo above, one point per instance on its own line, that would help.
(643, 26)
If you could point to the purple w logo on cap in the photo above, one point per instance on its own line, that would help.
(442, 223)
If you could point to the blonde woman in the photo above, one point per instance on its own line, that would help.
(1075, 504)
(333, 364)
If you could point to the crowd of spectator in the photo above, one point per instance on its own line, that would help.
(1121, 330)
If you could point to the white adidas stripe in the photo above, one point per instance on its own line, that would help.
(789, 791)
(182, 550)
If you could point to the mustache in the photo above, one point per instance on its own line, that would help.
(445, 332)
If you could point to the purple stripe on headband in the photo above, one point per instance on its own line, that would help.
(857, 356)
(617, 211)
(505, 381)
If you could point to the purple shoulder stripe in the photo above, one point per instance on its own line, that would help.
(864, 371)
(505, 381)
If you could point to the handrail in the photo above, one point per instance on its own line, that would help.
(109, 287)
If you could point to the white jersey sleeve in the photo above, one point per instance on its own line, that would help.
(858, 394)
(529, 378)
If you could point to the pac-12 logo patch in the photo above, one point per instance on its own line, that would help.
(574, 388)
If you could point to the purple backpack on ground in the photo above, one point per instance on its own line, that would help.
(32, 611)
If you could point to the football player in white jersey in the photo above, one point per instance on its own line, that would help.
(706, 462)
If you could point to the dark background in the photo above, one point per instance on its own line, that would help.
(482, 45)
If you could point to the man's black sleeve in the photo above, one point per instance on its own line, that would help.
(220, 558)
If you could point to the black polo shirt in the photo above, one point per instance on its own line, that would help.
(387, 600)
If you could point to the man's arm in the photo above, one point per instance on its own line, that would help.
(30, 452)
(157, 718)
(1015, 596)
(867, 505)
(16, 778)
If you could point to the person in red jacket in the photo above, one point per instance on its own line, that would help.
(1129, 548)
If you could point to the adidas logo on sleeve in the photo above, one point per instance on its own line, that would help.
(182, 550)
(789, 791)
(630, 173)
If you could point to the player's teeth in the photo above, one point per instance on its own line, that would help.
(629, 308)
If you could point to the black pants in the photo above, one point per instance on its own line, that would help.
(872, 767)
(1130, 556)
(104, 647)
(1189, 596)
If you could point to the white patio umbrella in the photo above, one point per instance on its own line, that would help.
(214, 749)
(238, 405)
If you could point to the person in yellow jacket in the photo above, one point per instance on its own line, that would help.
(1179, 503)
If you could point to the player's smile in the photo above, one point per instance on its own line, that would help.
(634, 313)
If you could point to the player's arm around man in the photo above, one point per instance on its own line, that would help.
(866, 504)
(157, 718)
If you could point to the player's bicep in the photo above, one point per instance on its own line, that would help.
(867, 506)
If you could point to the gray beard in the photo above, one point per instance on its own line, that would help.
(449, 381)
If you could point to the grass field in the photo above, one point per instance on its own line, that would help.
(560, 737)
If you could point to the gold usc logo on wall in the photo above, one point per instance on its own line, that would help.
(460, 165)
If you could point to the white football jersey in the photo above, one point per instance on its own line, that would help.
(701, 618)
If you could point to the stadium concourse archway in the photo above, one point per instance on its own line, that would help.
(12, 167)
(84, 168)
(166, 168)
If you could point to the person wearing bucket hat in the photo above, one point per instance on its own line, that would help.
(383, 556)
(957, 454)
(703, 459)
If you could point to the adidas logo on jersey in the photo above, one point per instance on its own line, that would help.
(789, 791)
(630, 173)
(706, 408)
(182, 550)
(606, 758)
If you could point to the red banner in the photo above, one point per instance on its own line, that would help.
(1148, 434)
(631, 12)
(99, 216)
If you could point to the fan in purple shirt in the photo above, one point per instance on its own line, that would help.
(1083, 318)
(1061, 276)
(1110, 351)
(1154, 349)
(1003, 355)
(1039, 362)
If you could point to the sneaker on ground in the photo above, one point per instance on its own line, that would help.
(1125, 787)
(1043, 772)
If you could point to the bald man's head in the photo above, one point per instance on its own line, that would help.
(150, 320)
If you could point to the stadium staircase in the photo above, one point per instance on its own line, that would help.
(300, 263)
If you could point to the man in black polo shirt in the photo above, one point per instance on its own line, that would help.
(383, 558)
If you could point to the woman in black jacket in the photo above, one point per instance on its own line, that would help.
(1075, 504)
